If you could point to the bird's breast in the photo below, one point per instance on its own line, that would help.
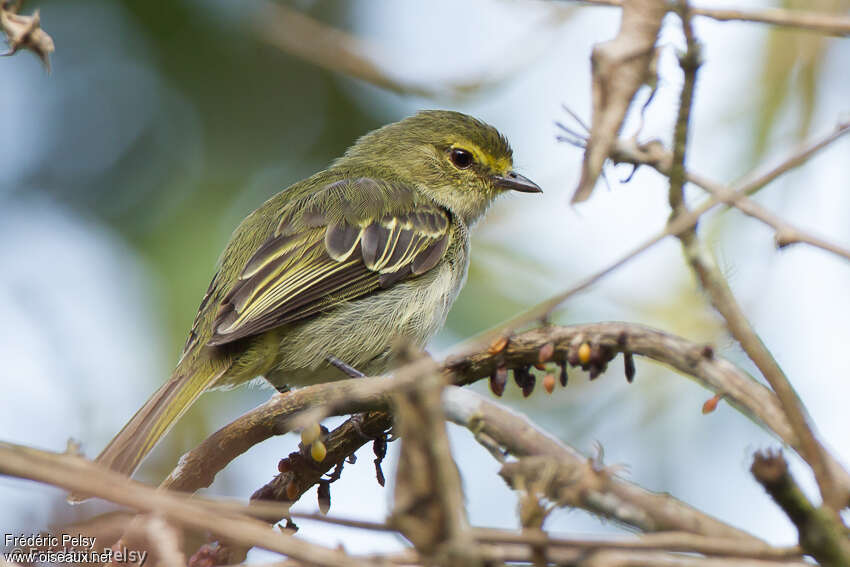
(363, 332)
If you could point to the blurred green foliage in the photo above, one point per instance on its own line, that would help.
(791, 72)
(213, 112)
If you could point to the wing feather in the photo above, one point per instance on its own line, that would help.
(321, 260)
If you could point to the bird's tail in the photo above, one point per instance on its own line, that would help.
(154, 419)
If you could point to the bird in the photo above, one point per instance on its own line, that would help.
(337, 268)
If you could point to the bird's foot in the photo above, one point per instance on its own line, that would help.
(348, 370)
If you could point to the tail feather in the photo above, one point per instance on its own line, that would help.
(153, 420)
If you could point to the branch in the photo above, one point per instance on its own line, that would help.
(327, 47)
(428, 503)
(276, 416)
(714, 283)
(667, 541)
(653, 154)
(723, 300)
(682, 223)
(659, 559)
(690, 63)
(564, 476)
(198, 467)
(299, 473)
(827, 24)
(821, 534)
(78, 475)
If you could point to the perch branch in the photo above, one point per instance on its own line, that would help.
(200, 465)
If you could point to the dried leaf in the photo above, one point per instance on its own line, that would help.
(24, 32)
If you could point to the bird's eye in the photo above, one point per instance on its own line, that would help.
(461, 158)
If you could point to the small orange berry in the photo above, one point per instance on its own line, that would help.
(318, 451)
(584, 353)
(549, 383)
(711, 405)
(498, 345)
(546, 352)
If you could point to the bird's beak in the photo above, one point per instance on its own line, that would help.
(516, 182)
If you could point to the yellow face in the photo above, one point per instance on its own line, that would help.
(458, 161)
(496, 165)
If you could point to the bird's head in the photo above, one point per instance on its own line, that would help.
(458, 161)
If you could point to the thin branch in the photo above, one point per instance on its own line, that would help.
(682, 223)
(690, 63)
(78, 475)
(429, 508)
(722, 298)
(501, 553)
(827, 24)
(821, 533)
(714, 283)
(198, 467)
(663, 541)
(299, 473)
(616, 558)
(668, 541)
(656, 156)
(298, 34)
(566, 477)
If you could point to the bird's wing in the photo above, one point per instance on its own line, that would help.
(350, 239)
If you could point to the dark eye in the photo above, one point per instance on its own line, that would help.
(461, 158)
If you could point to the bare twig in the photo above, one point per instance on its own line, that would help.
(682, 223)
(714, 283)
(666, 541)
(690, 63)
(821, 533)
(299, 473)
(722, 298)
(616, 558)
(330, 48)
(570, 479)
(661, 541)
(76, 474)
(829, 24)
(656, 156)
(697, 361)
(296, 33)
(428, 502)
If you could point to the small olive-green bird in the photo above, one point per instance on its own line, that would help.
(338, 266)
